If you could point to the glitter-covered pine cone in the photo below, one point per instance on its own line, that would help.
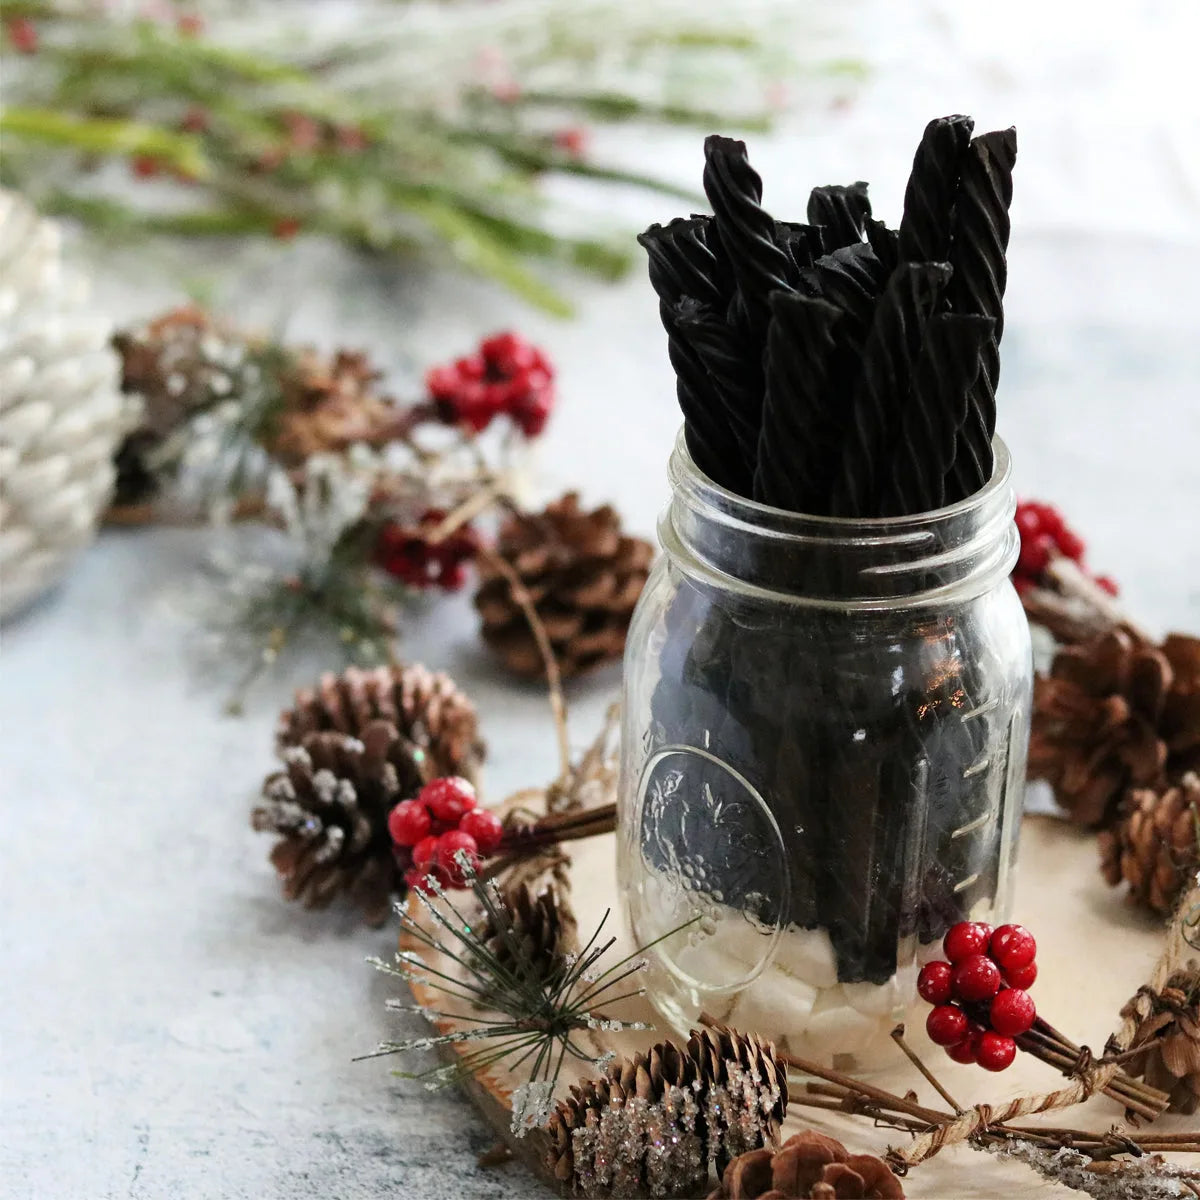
(1169, 1029)
(583, 577)
(1154, 847)
(436, 724)
(659, 1121)
(1114, 713)
(808, 1166)
(330, 805)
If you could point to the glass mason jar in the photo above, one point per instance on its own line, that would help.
(823, 756)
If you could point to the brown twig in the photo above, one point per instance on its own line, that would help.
(911, 1055)
(558, 704)
(492, 491)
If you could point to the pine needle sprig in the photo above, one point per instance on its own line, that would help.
(517, 1011)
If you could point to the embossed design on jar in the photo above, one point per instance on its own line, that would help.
(708, 848)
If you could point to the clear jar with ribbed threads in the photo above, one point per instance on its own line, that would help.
(824, 733)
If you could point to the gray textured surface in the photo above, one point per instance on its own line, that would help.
(168, 1027)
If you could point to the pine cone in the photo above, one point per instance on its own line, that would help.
(542, 933)
(432, 717)
(179, 364)
(722, 1094)
(809, 1166)
(1154, 847)
(583, 577)
(1115, 712)
(330, 405)
(1170, 1031)
(331, 804)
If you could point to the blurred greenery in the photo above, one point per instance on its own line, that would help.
(412, 126)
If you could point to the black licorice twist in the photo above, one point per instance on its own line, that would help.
(891, 347)
(935, 411)
(720, 347)
(747, 230)
(842, 210)
(932, 190)
(681, 266)
(795, 444)
(978, 254)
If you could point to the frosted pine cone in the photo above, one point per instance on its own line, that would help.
(809, 1166)
(331, 804)
(1153, 847)
(583, 576)
(657, 1122)
(61, 412)
(431, 716)
(1115, 712)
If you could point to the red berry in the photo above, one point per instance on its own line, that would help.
(976, 978)
(484, 827)
(450, 846)
(1107, 584)
(195, 120)
(933, 983)
(995, 1051)
(1070, 544)
(424, 853)
(409, 822)
(23, 34)
(145, 166)
(1021, 977)
(420, 879)
(572, 141)
(285, 228)
(966, 938)
(947, 1025)
(448, 798)
(1012, 946)
(502, 346)
(964, 1051)
(1013, 1012)
(1029, 523)
(1051, 518)
(1035, 553)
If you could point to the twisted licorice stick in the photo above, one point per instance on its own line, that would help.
(891, 347)
(852, 278)
(842, 210)
(932, 190)
(791, 445)
(886, 244)
(977, 254)
(747, 231)
(721, 350)
(682, 266)
(803, 244)
(935, 411)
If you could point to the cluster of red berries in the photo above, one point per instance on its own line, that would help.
(1045, 535)
(406, 552)
(980, 997)
(506, 376)
(443, 822)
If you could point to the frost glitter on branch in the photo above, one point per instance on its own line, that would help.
(521, 1013)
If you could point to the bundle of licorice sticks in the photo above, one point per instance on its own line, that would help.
(839, 367)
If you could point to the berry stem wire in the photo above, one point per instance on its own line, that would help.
(558, 704)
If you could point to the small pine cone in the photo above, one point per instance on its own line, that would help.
(809, 1166)
(1169, 1028)
(1154, 846)
(331, 804)
(583, 577)
(723, 1093)
(436, 723)
(542, 933)
(328, 405)
(1114, 713)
